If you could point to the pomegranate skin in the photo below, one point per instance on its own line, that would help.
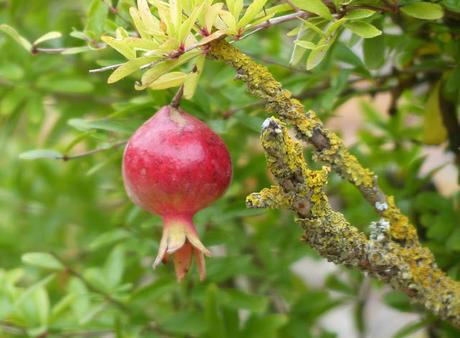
(175, 165)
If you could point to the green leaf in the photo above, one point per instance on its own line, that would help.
(16, 36)
(213, 315)
(409, 329)
(452, 5)
(41, 153)
(108, 238)
(191, 82)
(237, 299)
(363, 29)
(120, 46)
(423, 10)
(374, 51)
(317, 55)
(453, 241)
(46, 37)
(169, 80)
(253, 10)
(96, 17)
(397, 300)
(31, 289)
(114, 266)
(11, 71)
(264, 326)
(60, 307)
(359, 14)
(306, 44)
(185, 323)
(42, 260)
(129, 67)
(82, 302)
(434, 131)
(314, 6)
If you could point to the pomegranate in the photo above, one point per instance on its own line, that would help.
(175, 165)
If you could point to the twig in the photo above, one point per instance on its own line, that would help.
(91, 152)
(9, 327)
(103, 69)
(97, 333)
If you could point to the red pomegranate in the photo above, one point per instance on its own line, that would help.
(175, 165)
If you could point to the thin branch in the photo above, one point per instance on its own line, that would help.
(106, 68)
(93, 333)
(11, 328)
(92, 152)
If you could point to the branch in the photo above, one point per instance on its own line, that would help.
(411, 270)
(328, 146)
(91, 152)
(393, 253)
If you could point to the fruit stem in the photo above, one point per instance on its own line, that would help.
(175, 102)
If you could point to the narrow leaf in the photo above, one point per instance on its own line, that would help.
(173, 79)
(314, 6)
(253, 10)
(191, 81)
(363, 29)
(359, 14)
(128, 68)
(46, 37)
(306, 44)
(16, 36)
(434, 131)
(120, 46)
(150, 23)
(40, 153)
(42, 260)
(423, 10)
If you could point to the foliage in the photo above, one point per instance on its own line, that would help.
(76, 254)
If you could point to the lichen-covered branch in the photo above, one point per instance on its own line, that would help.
(409, 269)
(328, 146)
(393, 252)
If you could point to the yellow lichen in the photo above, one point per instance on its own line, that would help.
(401, 229)
(398, 259)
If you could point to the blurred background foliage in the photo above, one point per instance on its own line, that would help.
(93, 276)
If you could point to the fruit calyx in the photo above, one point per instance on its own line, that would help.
(181, 239)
